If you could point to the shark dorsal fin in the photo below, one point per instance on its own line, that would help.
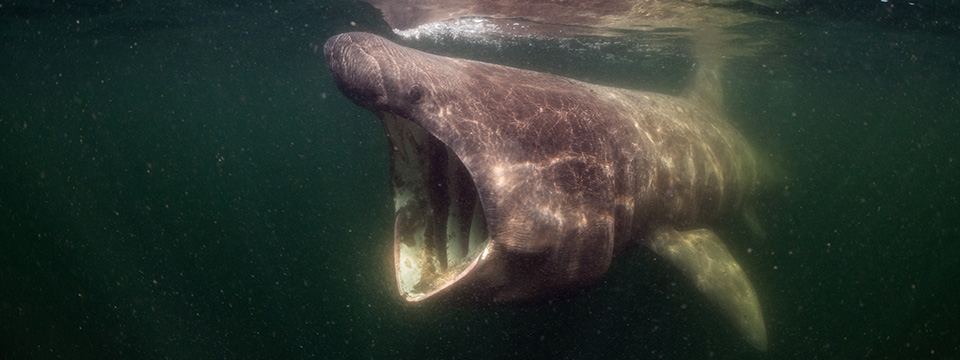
(706, 88)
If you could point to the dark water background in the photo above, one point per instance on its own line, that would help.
(183, 180)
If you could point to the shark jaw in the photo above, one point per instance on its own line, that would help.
(440, 231)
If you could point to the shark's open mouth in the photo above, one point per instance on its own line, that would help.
(440, 231)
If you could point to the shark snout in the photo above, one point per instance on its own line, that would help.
(356, 71)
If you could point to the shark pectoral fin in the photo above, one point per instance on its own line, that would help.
(702, 257)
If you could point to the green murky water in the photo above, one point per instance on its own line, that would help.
(185, 181)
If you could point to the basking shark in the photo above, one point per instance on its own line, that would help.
(514, 185)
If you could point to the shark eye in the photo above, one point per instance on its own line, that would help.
(416, 93)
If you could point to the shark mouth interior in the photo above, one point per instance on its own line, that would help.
(440, 232)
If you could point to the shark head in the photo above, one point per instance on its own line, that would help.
(502, 178)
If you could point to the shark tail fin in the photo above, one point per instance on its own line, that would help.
(703, 258)
(752, 220)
